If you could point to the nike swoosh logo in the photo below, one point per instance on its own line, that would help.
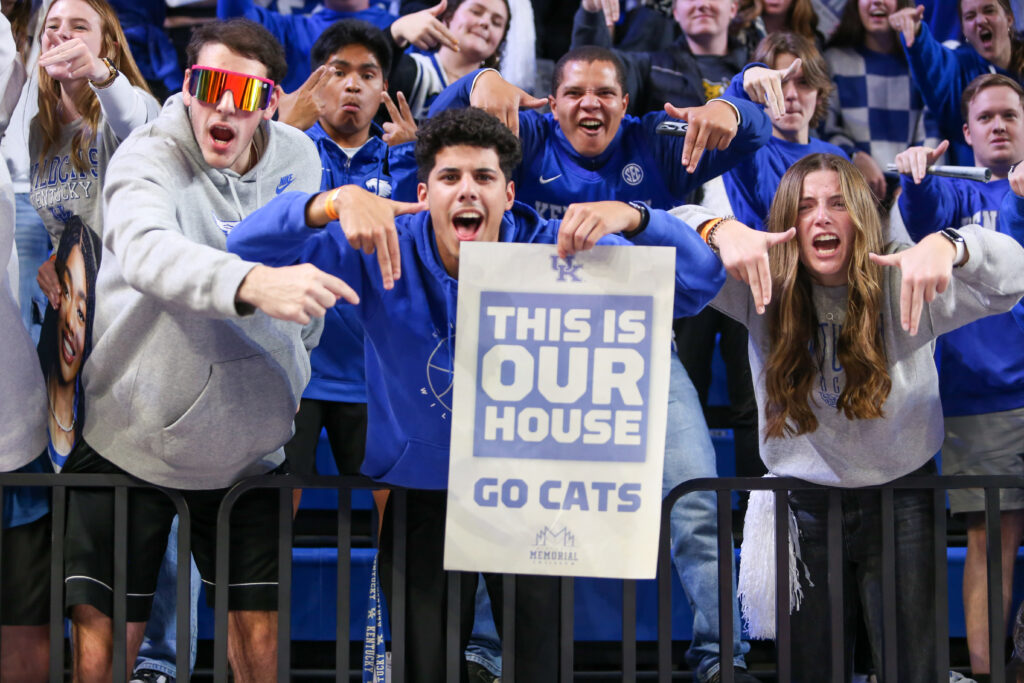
(545, 181)
(284, 183)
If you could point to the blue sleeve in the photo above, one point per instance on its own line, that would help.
(1011, 222)
(277, 235)
(456, 95)
(928, 207)
(754, 132)
(402, 165)
(531, 123)
(699, 272)
(940, 75)
(226, 9)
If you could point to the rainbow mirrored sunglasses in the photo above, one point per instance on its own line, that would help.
(249, 92)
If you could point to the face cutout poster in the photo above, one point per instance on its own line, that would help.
(66, 336)
(561, 392)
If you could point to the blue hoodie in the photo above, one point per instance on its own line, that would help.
(338, 371)
(638, 164)
(410, 328)
(981, 365)
(298, 32)
(751, 183)
(941, 75)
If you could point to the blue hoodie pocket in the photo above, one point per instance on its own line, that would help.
(421, 465)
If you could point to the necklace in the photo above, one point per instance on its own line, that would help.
(68, 429)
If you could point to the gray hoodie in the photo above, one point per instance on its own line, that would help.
(180, 389)
(843, 452)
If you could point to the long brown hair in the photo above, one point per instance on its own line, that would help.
(813, 66)
(850, 30)
(795, 351)
(801, 18)
(1016, 66)
(115, 48)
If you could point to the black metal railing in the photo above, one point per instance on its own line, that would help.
(726, 567)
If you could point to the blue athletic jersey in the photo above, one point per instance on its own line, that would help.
(639, 164)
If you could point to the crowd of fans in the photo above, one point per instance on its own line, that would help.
(203, 287)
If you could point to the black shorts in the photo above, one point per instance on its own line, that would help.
(89, 542)
(25, 587)
(346, 431)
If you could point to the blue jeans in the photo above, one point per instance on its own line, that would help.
(689, 454)
(484, 644)
(33, 244)
(861, 574)
(159, 647)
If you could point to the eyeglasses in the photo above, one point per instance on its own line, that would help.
(248, 92)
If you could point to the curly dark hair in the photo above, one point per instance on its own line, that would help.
(472, 127)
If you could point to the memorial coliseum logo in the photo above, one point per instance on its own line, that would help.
(554, 547)
(633, 174)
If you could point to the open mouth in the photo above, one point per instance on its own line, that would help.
(221, 134)
(878, 13)
(591, 125)
(985, 35)
(67, 350)
(467, 224)
(826, 245)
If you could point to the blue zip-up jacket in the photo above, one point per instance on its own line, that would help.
(981, 365)
(1011, 222)
(638, 165)
(941, 75)
(751, 183)
(410, 328)
(298, 32)
(338, 370)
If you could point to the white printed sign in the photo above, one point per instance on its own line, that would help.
(558, 431)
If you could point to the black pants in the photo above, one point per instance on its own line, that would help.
(426, 585)
(695, 339)
(346, 432)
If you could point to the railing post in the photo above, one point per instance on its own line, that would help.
(60, 503)
(284, 583)
(508, 627)
(994, 555)
(726, 561)
(890, 634)
(835, 585)
(629, 631)
(783, 638)
(344, 578)
(183, 603)
(397, 610)
(567, 624)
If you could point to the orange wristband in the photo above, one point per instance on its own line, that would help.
(329, 210)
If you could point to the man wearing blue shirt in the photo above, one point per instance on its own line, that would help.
(981, 365)
(407, 286)
(589, 149)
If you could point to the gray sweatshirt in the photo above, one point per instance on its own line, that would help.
(180, 389)
(849, 453)
(58, 191)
